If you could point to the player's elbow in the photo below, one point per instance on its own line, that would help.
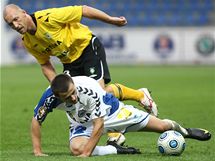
(85, 7)
(86, 11)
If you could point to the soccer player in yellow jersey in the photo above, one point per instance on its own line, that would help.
(58, 32)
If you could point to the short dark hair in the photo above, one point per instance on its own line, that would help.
(60, 84)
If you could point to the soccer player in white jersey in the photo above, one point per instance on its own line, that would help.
(49, 102)
(93, 112)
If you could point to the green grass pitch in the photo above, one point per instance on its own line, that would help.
(185, 94)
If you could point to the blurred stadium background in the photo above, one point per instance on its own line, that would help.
(171, 44)
(158, 31)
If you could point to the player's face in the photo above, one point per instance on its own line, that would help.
(70, 97)
(16, 19)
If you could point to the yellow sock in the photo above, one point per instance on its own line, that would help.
(126, 93)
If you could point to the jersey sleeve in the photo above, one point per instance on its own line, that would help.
(67, 14)
(46, 104)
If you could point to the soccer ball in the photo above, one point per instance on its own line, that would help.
(171, 143)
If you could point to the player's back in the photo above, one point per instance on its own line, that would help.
(88, 82)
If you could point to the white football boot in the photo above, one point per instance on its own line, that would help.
(148, 103)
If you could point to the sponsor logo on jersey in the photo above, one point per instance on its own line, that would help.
(51, 46)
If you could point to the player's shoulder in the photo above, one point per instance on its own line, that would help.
(44, 12)
(48, 91)
(52, 11)
(48, 100)
(46, 95)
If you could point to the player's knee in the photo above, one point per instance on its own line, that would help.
(109, 89)
(102, 83)
(77, 145)
(75, 150)
(116, 90)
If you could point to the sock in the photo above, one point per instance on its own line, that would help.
(125, 93)
(114, 135)
(104, 150)
(177, 127)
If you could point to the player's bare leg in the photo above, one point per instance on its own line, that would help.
(157, 125)
(78, 144)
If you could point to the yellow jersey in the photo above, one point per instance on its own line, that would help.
(59, 33)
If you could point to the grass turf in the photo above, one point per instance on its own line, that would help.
(185, 94)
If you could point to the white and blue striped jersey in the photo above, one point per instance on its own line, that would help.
(93, 102)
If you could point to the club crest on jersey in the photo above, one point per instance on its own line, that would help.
(81, 113)
(47, 35)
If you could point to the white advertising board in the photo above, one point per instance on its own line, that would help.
(133, 45)
(159, 45)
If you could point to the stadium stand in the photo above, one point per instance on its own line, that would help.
(140, 12)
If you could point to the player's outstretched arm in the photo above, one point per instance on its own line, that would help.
(48, 70)
(97, 14)
(36, 138)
